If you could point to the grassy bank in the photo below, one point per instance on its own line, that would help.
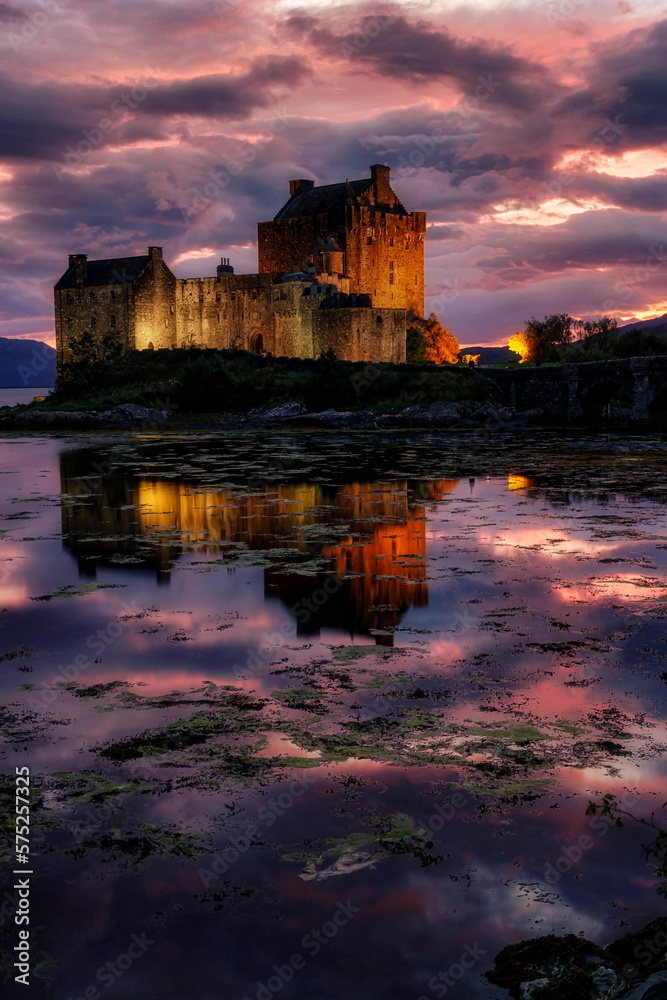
(208, 381)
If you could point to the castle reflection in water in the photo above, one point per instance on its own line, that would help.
(365, 542)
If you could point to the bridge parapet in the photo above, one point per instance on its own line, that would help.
(574, 392)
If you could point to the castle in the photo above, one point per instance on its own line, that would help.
(339, 267)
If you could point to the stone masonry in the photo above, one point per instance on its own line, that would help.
(339, 267)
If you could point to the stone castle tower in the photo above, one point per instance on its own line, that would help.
(339, 266)
(358, 229)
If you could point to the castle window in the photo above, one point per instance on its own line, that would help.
(69, 299)
(369, 241)
(112, 319)
(217, 296)
(391, 265)
(254, 295)
(69, 324)
(92, 296)
(233, 296)
(391, 278)
(112, 295)
(379, 319)
(391, 241)
(93, 320)
(415, 279)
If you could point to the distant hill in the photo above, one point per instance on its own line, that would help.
(491, 355)
(26, 363)
(657, 325)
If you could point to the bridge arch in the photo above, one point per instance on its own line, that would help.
(605, 395)
(658, 405)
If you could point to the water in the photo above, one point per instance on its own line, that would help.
(319, 716)
(10, 397)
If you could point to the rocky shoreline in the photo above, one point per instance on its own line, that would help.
(131, 416)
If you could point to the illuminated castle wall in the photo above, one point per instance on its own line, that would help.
(339, 266)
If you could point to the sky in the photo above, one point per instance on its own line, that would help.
(533, 134)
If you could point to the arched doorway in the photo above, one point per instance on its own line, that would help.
(257, 343)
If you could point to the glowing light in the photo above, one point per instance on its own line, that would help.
(549, 213)
(636, 163)
(651, 312)
(523, 344)
(520, 482)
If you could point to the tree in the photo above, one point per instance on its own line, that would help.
(429, 340)
(541, 338)
(88, 364)
(637, 344)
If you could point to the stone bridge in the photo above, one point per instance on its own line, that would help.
(592, 391)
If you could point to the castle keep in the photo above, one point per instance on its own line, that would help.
(339, 266)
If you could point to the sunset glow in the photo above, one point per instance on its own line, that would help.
(533, 138)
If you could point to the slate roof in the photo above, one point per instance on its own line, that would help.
(330, 198)
(318, 200)
(114, 271)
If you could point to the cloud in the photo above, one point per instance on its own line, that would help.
(10, 13)
(40, 120)
(229, 98)
(418, 52)
(353, 88)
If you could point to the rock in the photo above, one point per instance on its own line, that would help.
(54, 420)
(608, 984)
(528, 416)
(491, 413)
(655, 988)
(332, 418)
(530, 990)
(446, 414)
(129, 414)
(281, 412)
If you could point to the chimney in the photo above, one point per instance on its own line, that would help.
(224, 267)
(78, 262)
(155, 253)
(302, 184)
(380, 175)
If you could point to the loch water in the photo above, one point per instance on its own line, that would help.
(318, 715)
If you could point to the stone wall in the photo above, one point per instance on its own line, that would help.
(257, 312)
(154, 305)
(100, 310)
(385, 257)
(573, 392)
(291, 244)
(358, 334)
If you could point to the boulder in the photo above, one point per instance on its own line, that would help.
(131, 414)
(655, 988)
(284, 411)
